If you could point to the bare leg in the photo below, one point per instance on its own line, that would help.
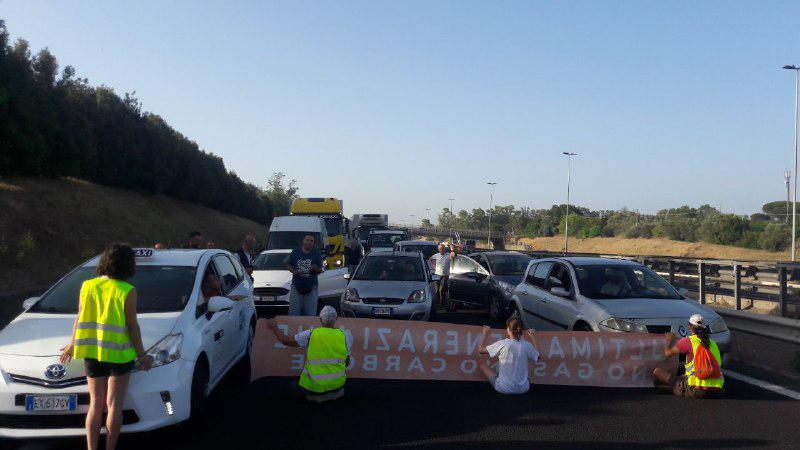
(487, 371)
(663, 376)
(117, 387)
(97, 403)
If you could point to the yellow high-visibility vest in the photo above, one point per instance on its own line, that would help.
(692, 380)
(102, 333)
(325, 360)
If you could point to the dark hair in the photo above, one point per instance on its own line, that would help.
(117, 261)
(312, 236)
(194, 234)
(703, 334)
(515, 325)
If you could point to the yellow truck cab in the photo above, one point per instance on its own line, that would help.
(330, 210)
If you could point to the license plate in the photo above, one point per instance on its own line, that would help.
(51, 402)
(268, 298)
(382, 311)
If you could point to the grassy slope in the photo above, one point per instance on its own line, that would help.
(72, 220)
(654, 247)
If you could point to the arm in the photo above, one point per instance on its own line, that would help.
(144, 360)
(669, 349)
(484, 337)
(66, 352)
(285, 340)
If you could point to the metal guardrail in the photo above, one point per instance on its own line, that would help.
(772, 327)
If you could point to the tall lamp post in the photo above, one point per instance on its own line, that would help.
(489, 230)
(428, 214)
(794, 199)
(569, 176)
(452, 216)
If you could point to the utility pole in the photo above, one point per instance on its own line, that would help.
(569, 176)
(794, 200)
(786, 180)
(489, 231)
(452, 216)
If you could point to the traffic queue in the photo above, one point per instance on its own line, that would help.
(163, 333)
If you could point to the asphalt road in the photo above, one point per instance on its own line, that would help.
(269, 413)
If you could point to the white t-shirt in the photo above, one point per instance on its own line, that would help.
(512, 373)
(442, 264)
(302, 338)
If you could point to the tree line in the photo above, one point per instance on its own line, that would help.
(767, 230)
(55, 125)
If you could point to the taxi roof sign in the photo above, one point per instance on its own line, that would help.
(143, 252)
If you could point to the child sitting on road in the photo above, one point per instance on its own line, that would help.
(513, 354)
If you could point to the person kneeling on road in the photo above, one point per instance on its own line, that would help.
(513, 354)
(327, 357)
(703, 376)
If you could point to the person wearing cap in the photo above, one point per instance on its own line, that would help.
(689, 385)
(327, 356)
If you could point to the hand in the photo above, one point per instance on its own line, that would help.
(144, 363)
(529, 333)
(485, 329)
(669, 337)
(66, 354)
(271, 324)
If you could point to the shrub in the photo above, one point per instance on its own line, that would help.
(775, 237)
(725, 229)
(26, 246)
(681, 229)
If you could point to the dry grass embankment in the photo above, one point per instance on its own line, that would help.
(47, 227)
(652, 247)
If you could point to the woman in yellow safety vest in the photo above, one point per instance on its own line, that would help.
(106, 336)
(327, 357)
(691, 384)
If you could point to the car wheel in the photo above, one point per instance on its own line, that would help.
(495, 309)
(582, 327)
(199, 389)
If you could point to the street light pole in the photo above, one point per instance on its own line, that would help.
(452, 216)
(794, 199)
(569, 176)
(489, 230)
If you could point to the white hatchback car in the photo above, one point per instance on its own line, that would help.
(194, 343)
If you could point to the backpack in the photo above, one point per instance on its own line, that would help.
(705, 365)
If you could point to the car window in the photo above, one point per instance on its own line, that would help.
(559, 277)
(202, 304)
(617, 281)
(529, 277)
(482, 261)
(226, 272)
(465, 264)
(509, 264)
(390, 268)
(271, 261)
(540, 275)
(239, 269)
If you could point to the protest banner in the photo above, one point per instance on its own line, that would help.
(408, 350)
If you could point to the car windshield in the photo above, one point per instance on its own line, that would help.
(390, 268)
(426, 250)
(363, 232)
(509, 264)
(333, 225)
(271, 261)
(159, 289)
(621, 281)
(384, 239)
(290, 240)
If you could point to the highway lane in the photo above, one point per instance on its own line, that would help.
(414, 414)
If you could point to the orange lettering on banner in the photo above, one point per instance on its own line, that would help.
(442, 351)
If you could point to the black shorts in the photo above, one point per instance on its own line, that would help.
(95, 368)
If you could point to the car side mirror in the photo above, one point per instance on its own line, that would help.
(346, 276)
(683, 292)
(560, 292)
(435, 277)
(26, 305)
(218, 304)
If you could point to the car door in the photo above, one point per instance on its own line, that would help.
(532, 296)
(234, 288)
(211, 329)
(559, 311)
(469, 282)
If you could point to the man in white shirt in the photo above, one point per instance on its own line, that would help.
(513, 354)
(441, 262)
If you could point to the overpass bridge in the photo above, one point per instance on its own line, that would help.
(498, 237)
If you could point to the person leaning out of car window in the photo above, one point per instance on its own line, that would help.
(106, 336)
(696, 382)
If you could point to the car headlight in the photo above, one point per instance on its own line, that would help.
(507, 288)
(624, 325)
(718, 326)
(166, 350)
(351, 295)
(417, 296)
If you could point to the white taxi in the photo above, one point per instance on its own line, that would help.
(194, 342)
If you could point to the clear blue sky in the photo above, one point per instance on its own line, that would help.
(397, 106)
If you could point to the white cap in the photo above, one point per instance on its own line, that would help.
(328, 314)
(697, 320)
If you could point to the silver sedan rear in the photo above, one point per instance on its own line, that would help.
(390, 285)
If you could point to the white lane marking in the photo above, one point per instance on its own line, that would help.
(763, 384)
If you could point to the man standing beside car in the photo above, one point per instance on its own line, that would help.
(245, 253)
(441, 268)
(305, 263)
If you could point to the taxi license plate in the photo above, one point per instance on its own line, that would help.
(51, 402)
(382, 311)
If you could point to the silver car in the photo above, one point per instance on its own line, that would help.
(604, 294)
(390, 285)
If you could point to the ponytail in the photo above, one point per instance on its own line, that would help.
(514, 324)
(703, 334)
